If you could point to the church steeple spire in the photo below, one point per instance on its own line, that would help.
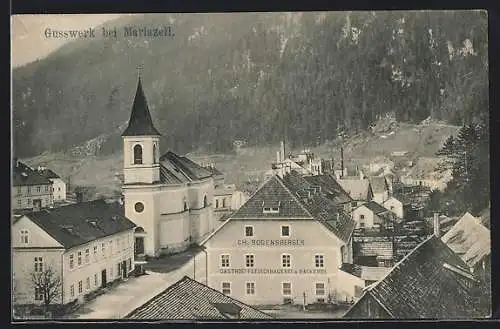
(140, 123)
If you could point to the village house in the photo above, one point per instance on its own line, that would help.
(284, 245)
(411, 288)
(58, 185)
(85, 246)
(30, 189)
(169, 197)
(395, 206)
(227, 199)
(358, 189)
(371, 215)
(304, 163)
(188, 299)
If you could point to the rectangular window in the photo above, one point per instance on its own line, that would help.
(19, 202)
(47, 188)
(72, 290)
(95, 280)
(111, 247)
(38, 294)
(249, 260)
(250, 288)
(24, 236)
(79, 260)
(38, 189)
(130, 264)
(320, 288)
(111, 272)
(29, 190)
(216, 203)
(224, 260)
(226, 288)
(95, 253)
(286, 260)
(19, 190)
(103, 248)
(87, 284)
(362, 225)
(87, 256)
(361, 216)
(80, 287)
(319, 260)
(285, 231)
(28, 202)
(287, 288)
(38, 264)
(71, 261)
(119, 269)
(248, 231)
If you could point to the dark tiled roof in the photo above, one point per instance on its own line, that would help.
(379, 184)
(23, 175)
(422, 285)
(140, 122)
(190, 300)
(175, 169)
(330, 187)
(47, 173)
(71, 225)
(322, 208)
(275, 191)
(469, 239)
(183, 168)
(375, 207)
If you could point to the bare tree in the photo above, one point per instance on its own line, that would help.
(46, 283)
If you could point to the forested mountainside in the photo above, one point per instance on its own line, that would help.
(257, 76)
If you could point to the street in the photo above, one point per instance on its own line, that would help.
(128, 295)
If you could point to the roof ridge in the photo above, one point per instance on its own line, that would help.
(401, 261)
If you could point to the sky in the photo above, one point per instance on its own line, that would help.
(28, 42)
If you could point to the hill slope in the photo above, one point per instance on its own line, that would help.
(258, 76)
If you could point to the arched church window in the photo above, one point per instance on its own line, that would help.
(137, 154)
(185, 206)
(205, 203)
(154, 153)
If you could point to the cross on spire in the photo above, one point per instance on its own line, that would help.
(140, 67)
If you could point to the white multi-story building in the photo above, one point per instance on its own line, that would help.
(30, 190)
(169, 197)
(84, 246)
(286, 244)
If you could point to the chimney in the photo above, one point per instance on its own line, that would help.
(342, 162)
(437, 231)
(282, 150)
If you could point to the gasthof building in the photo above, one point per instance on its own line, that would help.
(286, 244)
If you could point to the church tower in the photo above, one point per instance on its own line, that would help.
(141, 144)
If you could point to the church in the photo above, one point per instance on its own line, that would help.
(168, 197)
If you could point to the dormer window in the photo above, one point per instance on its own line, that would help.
(271, 207)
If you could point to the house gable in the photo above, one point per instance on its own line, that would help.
(37, 237)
